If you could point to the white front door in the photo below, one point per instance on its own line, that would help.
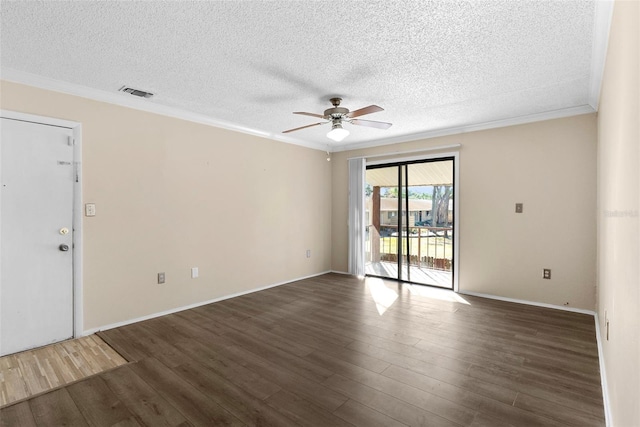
(36, 235)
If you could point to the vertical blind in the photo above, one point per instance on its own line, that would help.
(356, 216)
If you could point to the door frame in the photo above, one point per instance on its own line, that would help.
(456, 198)
(77, 213)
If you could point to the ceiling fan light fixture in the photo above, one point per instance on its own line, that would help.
(337, 132)
(338, 115)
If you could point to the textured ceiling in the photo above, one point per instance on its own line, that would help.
(432, 65)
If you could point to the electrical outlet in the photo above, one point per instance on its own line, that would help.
(308, 253)
(160, 278)
(194, 272)
(90, 209)
(546, 273)
(519, 207)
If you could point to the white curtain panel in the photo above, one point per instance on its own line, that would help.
(356, 216)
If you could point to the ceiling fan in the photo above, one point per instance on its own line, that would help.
(339, 115)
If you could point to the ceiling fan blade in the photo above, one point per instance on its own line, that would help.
(366, 110)
(303, 127)
(320, 116)
(371, 123)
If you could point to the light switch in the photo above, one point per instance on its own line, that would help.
(90, 209)
(518, 207)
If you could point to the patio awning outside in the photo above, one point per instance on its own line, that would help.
(431, 173)
(391, 204)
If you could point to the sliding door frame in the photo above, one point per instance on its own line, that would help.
(455, 156)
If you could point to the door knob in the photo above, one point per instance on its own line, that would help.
(63, 247)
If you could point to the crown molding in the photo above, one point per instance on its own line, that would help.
(124, 100)
(547, 115)
(128, 101)
(601, 28)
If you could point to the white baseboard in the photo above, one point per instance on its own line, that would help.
(537, 304)
(194, 305)
(603, 374)
(341, 272)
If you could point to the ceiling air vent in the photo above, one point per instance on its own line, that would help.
(136, 92)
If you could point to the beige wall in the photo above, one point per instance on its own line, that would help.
(618, 231)
(171, 195)
(550, 167)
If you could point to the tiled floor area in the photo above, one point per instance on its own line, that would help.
(35, 371)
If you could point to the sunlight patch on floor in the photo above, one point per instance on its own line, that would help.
(439, 294)
(382, 296)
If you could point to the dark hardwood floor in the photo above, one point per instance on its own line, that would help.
(318, 352)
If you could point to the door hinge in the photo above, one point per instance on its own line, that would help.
(71, 141)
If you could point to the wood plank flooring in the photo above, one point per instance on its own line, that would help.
(322, 352)
(32, 372)
(420, 275)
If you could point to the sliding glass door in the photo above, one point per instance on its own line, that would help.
(409, 217)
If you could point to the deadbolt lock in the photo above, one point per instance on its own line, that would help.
(64, 230)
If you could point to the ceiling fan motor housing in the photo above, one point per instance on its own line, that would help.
(335, 113)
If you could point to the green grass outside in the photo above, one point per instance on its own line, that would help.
(432, 246)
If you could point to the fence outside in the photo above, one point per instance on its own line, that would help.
(429, 247)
